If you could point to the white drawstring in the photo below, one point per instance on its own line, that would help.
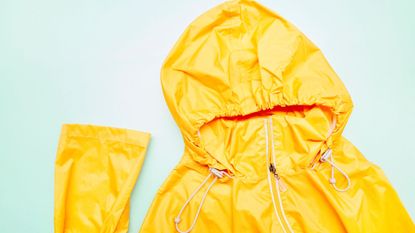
(213, 171)
(328, 157)
(277, 181)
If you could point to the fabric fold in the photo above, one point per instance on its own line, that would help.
(96, 169)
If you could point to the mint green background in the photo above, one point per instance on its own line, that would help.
(98, 62)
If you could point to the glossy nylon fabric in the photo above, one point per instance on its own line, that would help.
(243, 84)
(95, 171)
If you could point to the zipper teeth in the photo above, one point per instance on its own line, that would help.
(277, 177)
(274, 160)
(269, 175)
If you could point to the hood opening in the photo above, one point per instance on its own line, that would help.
(238, 142)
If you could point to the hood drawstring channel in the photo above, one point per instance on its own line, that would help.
(328, 157)
(272, 169)
(213, 171)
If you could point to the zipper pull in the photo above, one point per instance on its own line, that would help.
(272, 169)
(278, 180)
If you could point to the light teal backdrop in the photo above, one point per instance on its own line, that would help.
(89, 61)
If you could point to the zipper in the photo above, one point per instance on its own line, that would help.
(279, 184)
(272, 159)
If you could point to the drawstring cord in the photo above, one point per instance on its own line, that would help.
(272, 169)
(213, 171)
(328, 157)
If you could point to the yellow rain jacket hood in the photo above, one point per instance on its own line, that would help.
(262, 114)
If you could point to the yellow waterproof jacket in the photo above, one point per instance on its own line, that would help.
(262, 114)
